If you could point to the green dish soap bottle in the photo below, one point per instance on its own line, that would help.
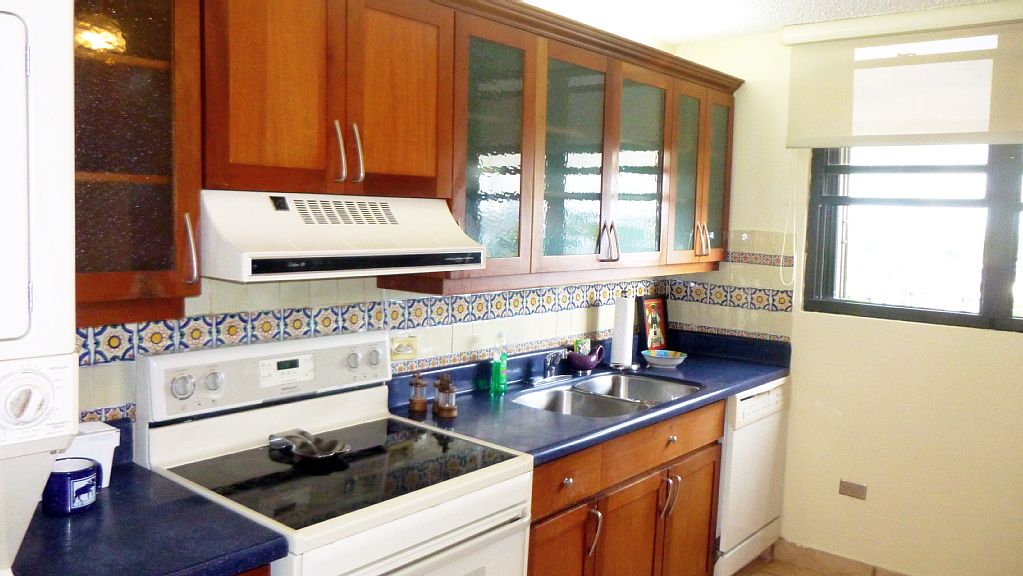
(499, 367)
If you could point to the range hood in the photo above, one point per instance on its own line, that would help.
(272, 236)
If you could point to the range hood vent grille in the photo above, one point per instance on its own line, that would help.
(337, 212)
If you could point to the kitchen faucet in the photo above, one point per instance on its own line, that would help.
(550, 363)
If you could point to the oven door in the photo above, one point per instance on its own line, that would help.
(500, 552)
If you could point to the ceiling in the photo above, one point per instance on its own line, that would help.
(668, 23)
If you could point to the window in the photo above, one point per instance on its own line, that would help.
(917, 233)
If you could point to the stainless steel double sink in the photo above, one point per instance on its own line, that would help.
(608, 395)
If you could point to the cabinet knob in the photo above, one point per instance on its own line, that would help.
(568, 481)
(672, 439)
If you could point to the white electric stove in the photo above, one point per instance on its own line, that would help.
(297, 436)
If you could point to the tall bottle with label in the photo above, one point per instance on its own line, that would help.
(499, 367)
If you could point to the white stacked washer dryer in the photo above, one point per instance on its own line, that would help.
(38, 366)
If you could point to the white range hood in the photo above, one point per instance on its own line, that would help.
(272, 236)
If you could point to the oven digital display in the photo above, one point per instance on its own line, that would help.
(287, 364)
(286, 371)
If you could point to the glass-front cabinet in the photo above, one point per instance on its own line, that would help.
(136, 158)
(637, 230)
(573, 163)
(718, 175)
(702, 147)
(495, 119)
(573, 206)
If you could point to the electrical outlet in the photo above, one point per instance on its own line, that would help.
(852, 489)
(404, 348)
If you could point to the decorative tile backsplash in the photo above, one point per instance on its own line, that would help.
(122, 342)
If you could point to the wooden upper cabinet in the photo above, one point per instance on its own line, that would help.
(266, 80)
(138, 166)
(329, 96)
(400, 70)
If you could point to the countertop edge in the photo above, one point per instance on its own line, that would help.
(657, 414)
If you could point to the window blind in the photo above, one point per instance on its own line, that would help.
(963, 85)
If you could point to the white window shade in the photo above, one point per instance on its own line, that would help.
(962, 85)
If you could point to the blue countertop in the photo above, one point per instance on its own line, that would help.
(549, 435)
(145, 524)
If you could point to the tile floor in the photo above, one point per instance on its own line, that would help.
(776, 568)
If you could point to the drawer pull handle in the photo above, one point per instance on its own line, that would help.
(568, 481)
(672, 439)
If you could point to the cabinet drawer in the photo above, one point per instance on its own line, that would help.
(655, 445)
(690, 431)
(562, 482)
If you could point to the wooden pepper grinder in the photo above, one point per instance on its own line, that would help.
(417, 398)
(444, 405)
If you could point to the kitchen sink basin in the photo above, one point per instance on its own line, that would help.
(639, 388)
(568, 401)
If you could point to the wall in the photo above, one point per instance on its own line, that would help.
(925, 415)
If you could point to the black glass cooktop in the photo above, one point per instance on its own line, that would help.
(388, 458)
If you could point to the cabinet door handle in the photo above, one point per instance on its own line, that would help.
(596, 536)
(697, 239)
(672, 439)
(616, 253)
(706, 240)
(678, 488)
(600, 244)
(193, 253)
(667, 497)
(341, 153)
(358, 148)
(568, 481)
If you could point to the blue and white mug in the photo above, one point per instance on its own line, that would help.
(72, 486)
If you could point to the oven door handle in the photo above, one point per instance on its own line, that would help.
(515, 532)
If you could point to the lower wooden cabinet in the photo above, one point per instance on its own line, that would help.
(629, 540)
(690, 523)
(658, 521)
(563, 544)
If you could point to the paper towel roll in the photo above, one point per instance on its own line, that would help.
(625, 320)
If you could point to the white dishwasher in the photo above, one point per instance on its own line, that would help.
(753, 458)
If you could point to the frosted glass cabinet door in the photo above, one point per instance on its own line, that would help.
(637, 209)
(687, 145)
(495, 128)
(573, 159)
(493, 197)
(718, 174)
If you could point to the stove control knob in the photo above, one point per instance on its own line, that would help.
(182, 387)
(214, 381)
(374, 357)
(354, 360)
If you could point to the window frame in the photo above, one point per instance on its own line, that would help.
(1002, 200)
